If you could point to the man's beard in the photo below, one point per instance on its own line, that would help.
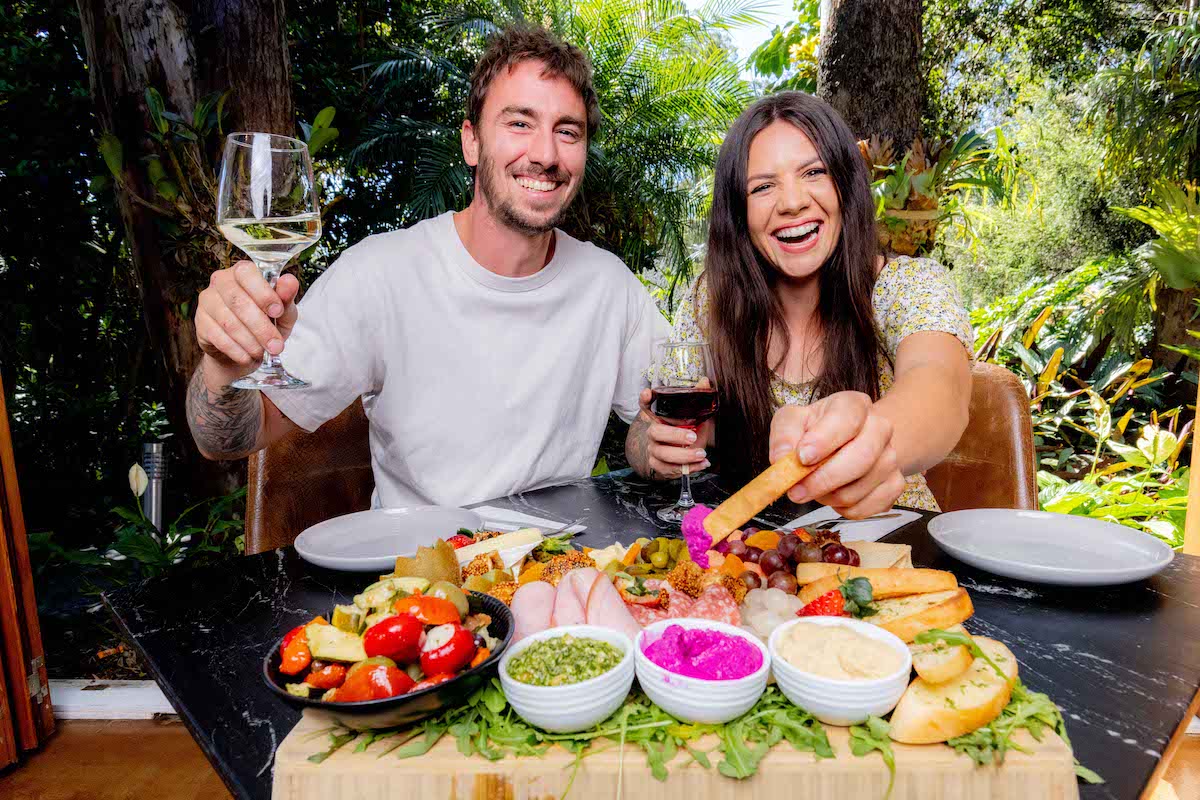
(506, 212)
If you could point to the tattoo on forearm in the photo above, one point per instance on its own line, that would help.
(637, 447)
(225, 424)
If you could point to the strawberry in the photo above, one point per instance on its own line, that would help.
(854, 598)
(459, 540)
(830, 604)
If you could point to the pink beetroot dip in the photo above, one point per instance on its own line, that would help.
(698, 540)
(701, 653)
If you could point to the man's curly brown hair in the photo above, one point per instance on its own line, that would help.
(518, 43)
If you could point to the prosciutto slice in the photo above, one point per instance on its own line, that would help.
(606, 609)
(570, 602)
(532, 608)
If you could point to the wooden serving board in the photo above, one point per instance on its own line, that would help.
(925, 772)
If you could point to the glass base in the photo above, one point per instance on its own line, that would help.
(673, 514)
(270, 378)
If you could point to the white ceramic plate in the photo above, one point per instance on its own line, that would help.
(1049, 548)
(371, 541)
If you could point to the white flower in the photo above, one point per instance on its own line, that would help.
(113, 555)
(138, 480)
(186, 539)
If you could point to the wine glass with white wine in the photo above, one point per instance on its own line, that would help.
(267, 208)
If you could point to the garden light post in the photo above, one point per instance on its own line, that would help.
(154, 461)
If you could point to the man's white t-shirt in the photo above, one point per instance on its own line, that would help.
(476, 385)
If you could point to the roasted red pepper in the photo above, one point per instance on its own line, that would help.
(326, 676)
(294, 653)
(374, 679)
(433, 681)
(429, 610)
(398, 638)
(448, 648)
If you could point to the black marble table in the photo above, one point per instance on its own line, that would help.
(1123, 663)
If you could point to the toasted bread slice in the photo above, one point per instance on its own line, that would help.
(938, 662)
(873, 555)
(884, 582)
(929, 713)
(910, 615)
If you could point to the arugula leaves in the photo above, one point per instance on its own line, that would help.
(485, 725)
(875, 734)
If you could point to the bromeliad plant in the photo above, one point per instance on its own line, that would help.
(925, 188)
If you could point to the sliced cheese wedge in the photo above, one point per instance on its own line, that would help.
(908, 616)
(929, 713)
(505, 541)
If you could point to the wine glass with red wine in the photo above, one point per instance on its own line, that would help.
(684, 395)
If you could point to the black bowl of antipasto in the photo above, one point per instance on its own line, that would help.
(406, 709)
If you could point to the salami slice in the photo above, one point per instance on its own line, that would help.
(680, 604)
(717, 604)
(645, 615)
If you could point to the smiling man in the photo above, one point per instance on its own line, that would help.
(488, 346)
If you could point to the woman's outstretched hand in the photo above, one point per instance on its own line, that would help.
(860, 475)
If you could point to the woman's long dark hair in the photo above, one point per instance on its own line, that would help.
(743, 308)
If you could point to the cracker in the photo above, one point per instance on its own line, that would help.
(767, 487)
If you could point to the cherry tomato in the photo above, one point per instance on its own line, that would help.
(325, 675)
(433, 681)
(429, 610)
(459, 540)
(448, 648)
(398, 638)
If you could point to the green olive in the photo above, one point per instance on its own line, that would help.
(676, 548)
(660, 560)
(650, 549)
(448, 591)
(637, 569)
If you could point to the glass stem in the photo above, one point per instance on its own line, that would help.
(685, 489)
(270, 272)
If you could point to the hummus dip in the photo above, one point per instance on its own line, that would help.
(835, 651)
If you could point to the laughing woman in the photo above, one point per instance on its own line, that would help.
(821, 343)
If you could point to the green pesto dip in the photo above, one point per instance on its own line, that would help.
(563, 660)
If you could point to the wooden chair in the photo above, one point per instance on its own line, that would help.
(310, 477)
(993, 465)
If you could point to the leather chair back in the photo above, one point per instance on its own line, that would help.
(306, 478)
(993, 464)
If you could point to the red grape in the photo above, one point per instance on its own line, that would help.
(782, 580)
(753, 554)
(751, 580)
(836, 554)
(723, 546)
(771, 561)
(787, 545)
(751, 531)
(737, 548)
(809, 553)
(855, 560)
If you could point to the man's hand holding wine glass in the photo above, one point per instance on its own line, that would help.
(234, 320)
(673, 447)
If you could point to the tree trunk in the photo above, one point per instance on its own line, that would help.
(869, 66)
(1176, 307)
(184, 51)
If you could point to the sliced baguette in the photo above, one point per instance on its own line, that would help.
(873, 555)
(929, 713)
(908, 616)
(938, 662)
(884, 582)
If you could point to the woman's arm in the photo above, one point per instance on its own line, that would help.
(867, 448)
(928, 401)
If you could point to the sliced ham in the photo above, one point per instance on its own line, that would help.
(606, 608)
(532, 608)
(570, 602)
